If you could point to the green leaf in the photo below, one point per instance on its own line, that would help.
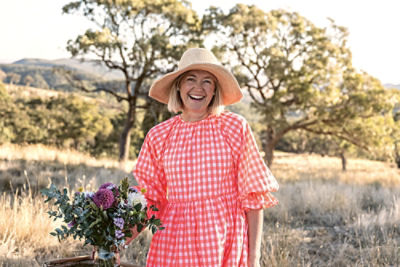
(139, 227)
(138, 207)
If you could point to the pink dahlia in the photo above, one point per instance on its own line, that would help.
(110, 186)
(103, 198)
(107, 186)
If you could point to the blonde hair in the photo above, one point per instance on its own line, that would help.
(175, 103)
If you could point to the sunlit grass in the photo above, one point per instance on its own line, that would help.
(12, 152)
(325, 217)
(295, 167)
(24, 230)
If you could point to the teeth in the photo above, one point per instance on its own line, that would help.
(197, 97)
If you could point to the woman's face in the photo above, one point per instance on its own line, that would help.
(197, 89)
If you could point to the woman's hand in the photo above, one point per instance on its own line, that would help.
(253, 261)
(135, 233)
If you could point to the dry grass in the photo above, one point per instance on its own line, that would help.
(323, 223)
(41, 165)
(298, 167)
(325, 217)
(24, 238)
(12, 152)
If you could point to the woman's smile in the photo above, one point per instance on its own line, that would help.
(197, 90)
(196, 97)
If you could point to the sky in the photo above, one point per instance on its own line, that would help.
(38, 29)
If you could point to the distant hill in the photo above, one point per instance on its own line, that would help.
(40, 73)
(39, 76)
(390, 85)
(91, 67)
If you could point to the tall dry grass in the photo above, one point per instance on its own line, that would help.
(325, 217)
(325, 223)
(24, 226)
(42, 153)
(290, 167)
(42, 165)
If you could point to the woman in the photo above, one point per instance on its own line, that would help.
(203, 171)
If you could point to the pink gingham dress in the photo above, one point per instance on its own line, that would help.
(203, 176)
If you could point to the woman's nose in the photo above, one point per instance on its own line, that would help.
(198, 85)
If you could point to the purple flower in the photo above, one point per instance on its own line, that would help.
(119, 222)
(110, 186)
(107, 186)
(89, 194)
(72, 223)
(103, 198)
(133, 189)
(119, 234)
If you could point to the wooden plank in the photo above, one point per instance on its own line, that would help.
(79, 260)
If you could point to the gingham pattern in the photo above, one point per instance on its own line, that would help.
(203, 176)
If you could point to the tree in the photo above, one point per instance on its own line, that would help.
(13, 78)
(3, 75)
(28, 80)
(76, 121)
(141, 38)
(395, 134)
(6, 133)
(298, 75)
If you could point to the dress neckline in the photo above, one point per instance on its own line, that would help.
(192, 123)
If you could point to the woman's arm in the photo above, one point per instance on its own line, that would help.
(255, 222)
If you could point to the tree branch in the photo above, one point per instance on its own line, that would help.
(79, 84)
(349, 139)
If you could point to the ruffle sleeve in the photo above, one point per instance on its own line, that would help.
(255, 180)
(151, 176)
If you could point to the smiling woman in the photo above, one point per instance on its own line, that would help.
(203, 171)
(197, 93)
(197, 89)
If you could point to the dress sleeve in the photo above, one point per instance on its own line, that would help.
(255, 180)
(151, 176)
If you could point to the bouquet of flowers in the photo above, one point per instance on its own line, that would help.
(104, 218)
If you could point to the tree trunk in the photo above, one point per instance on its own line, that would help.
(125, 139)
(397, 153)
(344, 161)
(268, 146)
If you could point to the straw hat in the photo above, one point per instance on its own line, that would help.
(199, 59)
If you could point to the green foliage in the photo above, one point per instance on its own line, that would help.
(155, 114)
(6, 115)
(66, 122)
(106, 227)
(142, 39)
(298, 75)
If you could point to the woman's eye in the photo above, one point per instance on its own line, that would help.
(207, 81)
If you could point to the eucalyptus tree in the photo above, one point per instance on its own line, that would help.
(298, 75)
(141, 39)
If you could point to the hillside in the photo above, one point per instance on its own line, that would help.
(40, 76)
(390, 86)
(30, 92)
(42, 73)
(89, 67)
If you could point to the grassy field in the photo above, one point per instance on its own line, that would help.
(326, 217)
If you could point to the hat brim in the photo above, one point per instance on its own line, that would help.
(230, 89)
